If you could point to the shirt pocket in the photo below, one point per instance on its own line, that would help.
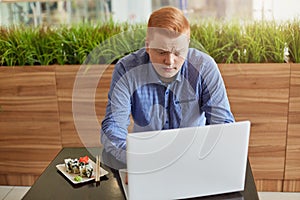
(188, 106)
(186, 100)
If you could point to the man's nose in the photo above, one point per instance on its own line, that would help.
(169, 58)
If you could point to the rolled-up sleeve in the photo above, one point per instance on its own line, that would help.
(215, 103)
(116, 121)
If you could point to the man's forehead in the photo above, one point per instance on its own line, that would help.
(163, 41)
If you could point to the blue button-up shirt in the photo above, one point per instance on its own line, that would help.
(197, 97)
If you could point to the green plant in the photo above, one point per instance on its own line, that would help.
(226, 41)
(235, 42)
(293, 40)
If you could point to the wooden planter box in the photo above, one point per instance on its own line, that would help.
(36, 119)
(260, 93)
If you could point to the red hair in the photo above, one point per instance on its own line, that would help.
(170, 18)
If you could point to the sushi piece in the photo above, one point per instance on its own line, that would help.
(68, 165)
(72, 165)
(75, 166)
(85, 169)
(88, 170)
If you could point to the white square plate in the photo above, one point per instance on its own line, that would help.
(71, 176)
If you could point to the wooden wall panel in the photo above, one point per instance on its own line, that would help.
(29, 128)
(291, 186)
(269, 185)
(65, 77)
(17, 179)
(259, 93)
(87, 131)
(292, 169)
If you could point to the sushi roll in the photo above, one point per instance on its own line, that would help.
(72, 165)
(82, 169)
(68, 165)
(88, 170)
(75, 166)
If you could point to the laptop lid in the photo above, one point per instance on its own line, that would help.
(187, 162)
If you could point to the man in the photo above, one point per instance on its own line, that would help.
(165, 85)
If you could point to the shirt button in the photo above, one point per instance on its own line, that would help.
(167, 122)
(167, 92)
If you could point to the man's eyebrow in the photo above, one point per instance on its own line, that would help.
(168, 49)
(158, 49)
(162, 50)
(178, 49)
(182, 48)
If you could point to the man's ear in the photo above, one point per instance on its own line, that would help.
(147, 45)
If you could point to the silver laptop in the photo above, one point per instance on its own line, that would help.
(187, 162)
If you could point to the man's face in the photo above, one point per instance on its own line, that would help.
(167, 54)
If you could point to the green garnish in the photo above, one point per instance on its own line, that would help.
(78, 178)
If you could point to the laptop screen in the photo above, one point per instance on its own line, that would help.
(187, 162)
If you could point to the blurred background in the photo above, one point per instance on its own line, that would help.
(56, 12)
